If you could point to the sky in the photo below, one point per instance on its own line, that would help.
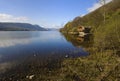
(46, 13)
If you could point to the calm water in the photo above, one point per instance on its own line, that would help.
(25, 47)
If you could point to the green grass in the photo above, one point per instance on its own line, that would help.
(96, 67)
(103, 64)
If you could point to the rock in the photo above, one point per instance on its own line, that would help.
(30, 77)
(66, 56)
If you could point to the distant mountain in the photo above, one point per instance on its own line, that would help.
(20, 27)
(52, 29)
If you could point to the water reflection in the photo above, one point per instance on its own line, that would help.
(78, 41)
(8, 39)
(23, 53)
(5, 66)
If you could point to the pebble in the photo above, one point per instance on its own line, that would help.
(30, 77)
(66, 56)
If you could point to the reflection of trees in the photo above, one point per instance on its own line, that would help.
(79, 41)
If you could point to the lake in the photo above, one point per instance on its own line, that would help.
(25, 52)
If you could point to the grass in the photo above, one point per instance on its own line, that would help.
(103, 64)
(96, 67)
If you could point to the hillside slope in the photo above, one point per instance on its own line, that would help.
(20, 27)
(103, 63)
(95, 18)
(108, 32)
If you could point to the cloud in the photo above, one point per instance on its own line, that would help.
(96, 6)
(8, 43)
(82, 15)
(10, 18)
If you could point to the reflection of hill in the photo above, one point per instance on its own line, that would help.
(79, 41)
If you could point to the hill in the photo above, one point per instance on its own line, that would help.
(103, 63)
(20, 27)
(95, 18)
(102, 31)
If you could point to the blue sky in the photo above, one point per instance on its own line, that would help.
(46, 13)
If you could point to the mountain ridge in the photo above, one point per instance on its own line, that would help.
(12, 26)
